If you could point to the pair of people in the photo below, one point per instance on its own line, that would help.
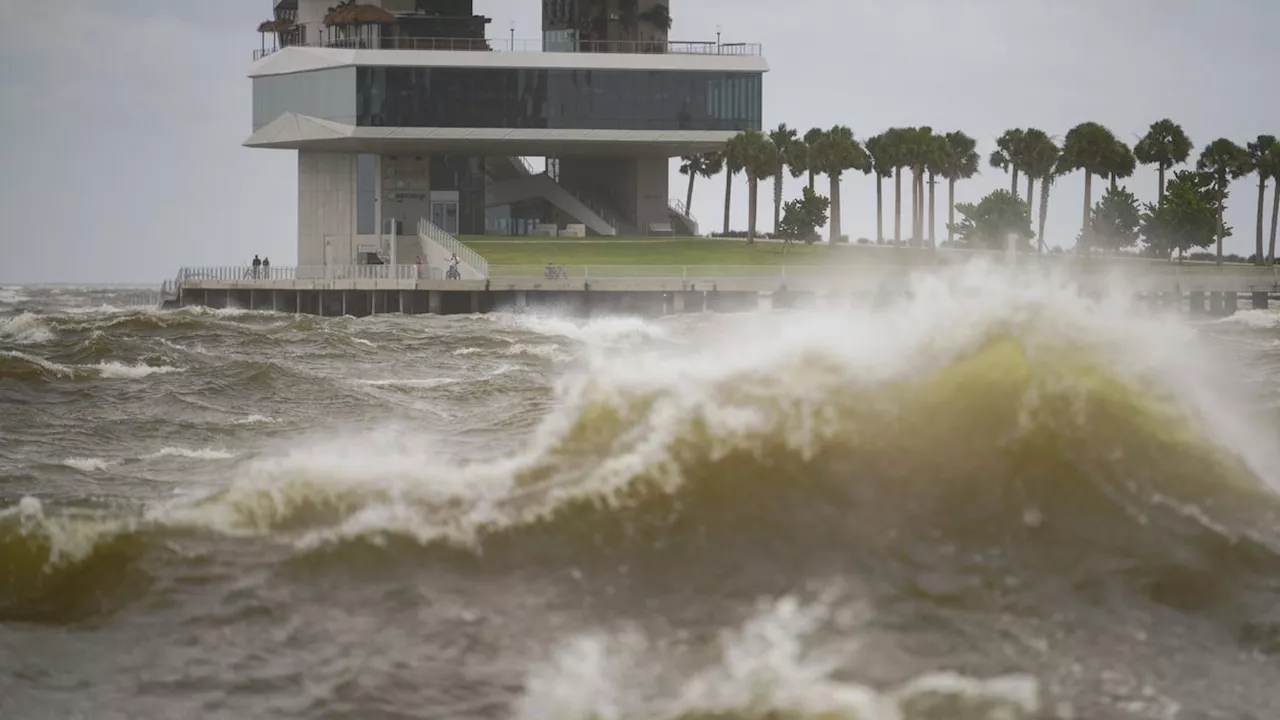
(453, 273)
(261, 267)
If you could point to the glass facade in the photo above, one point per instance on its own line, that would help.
(326, 94)
(366, 194)
(557, 99)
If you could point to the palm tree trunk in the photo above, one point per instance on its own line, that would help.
(810, 179)
(951, 210)
(933, 236)
(1044, 213)
(915, 208)
(1088, 201)
(1160, 190)
(1113, 181)
(879, 209)
(1031, 188)
(1262, 201)
(752, 189)
(777, 200)
(835, 207)
(1275, 212)
(728, 198)
(688, 200)
(1013, 183)
(1222, 201)
(897, 206)
(920, 207)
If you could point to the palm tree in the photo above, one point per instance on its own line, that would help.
(784, 139)
(1272, 161)
(921, 148)
(732, 166)
(1259, 151)
(811, 139)
(1164, 146)
(1033, 141)
(704, 165)
(936, 159)
(1089, 147)
(963, 162)
(1006, 154)
(879, 149)
(1040, 162)
(837, 151)
(1225, 161)
(895, 141)
(1121, 164)
(759, 160)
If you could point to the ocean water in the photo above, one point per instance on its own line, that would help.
(993, 500)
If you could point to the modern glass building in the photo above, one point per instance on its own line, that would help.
(402, 110)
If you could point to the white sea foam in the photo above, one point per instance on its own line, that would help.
(613, 330)
(52, 367)
(463, 352)
(12, 296)
(771, 666)
(87, 465)
(119, 371)
(204, 454)
(411, 383)
(256, 420)
(362, 341)
(25, 329)
(1259, 319)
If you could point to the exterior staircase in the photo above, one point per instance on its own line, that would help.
(596, 217)
(682, 218)
(438, 247)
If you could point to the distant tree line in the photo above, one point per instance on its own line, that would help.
(1187, 212)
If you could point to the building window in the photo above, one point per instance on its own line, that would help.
(366, 194)
(557, 99)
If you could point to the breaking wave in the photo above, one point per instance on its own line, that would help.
(981, 431)
(772, 666)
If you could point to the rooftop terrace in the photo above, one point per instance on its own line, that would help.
(525, 46)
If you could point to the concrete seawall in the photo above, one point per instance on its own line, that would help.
(1214, 293)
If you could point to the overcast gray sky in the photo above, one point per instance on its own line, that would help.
(121, 120)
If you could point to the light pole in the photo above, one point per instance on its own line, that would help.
(718, 29)
(512, 26)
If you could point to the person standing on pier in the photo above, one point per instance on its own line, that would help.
(266, 268)
(257, 266)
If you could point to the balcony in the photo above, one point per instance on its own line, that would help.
(365, 42)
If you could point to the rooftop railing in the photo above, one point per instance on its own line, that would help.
(640, 47)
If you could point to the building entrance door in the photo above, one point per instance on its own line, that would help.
(444, 214)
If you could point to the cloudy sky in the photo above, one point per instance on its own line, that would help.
(121, 120)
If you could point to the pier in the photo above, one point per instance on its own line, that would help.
(359, 291)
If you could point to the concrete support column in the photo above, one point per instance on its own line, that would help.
(406, 302)
(1260, 300)
(1215, 303)
(345, 295)
(475, 302)
(1197, 302)
(435, 301)
(1231, 303)
(522, 298)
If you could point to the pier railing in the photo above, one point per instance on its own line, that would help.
(451, 244)
(244, 273)
(782, 272)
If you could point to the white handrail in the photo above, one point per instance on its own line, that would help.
(436, 234)
(244, 273)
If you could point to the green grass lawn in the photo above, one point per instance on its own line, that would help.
(539, 252)
(622, 251)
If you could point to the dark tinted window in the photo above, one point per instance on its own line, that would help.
(557, 99)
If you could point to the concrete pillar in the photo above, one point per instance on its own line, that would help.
(1231, 303)
(1260, 300)
(1197, 302)
(406, 302)
(475, 302)
(522, 298)
(297, 308)
(435, 300)
(1215, 303)
(345, 294)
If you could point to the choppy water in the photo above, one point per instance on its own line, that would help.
(991, 501)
